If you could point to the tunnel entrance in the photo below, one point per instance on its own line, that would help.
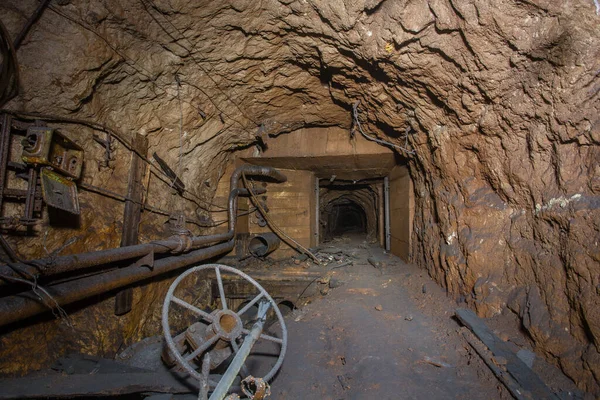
(349, 209)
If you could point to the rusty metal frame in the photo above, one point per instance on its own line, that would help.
(32, 196)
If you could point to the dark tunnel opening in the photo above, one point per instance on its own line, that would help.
(346, 217)
(343, 217)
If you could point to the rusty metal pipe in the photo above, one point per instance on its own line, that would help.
(50, 266)
(27, 304)
(255, 170)
(263, 244)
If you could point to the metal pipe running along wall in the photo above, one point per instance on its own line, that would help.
(27, 304)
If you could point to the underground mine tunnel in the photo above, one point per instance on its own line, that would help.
(299, 199)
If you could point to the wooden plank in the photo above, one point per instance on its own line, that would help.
(132, 215)
(111, 384)
(87, 364)
(487, 357)
(521, 373)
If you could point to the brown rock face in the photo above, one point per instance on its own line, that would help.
(501, 100)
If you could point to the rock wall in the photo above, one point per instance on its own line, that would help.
(499, 101)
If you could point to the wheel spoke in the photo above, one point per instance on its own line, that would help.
(236, 348)
(271, 338)
(192, 308)
(249, 305)
(221, 289)
(266, 337)
(202, 348)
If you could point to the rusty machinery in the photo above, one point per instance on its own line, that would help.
(159, 256)
(219, 334)
(50, 165)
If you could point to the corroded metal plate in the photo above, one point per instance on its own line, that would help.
(59, 192)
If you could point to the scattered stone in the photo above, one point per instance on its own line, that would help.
(335, 283)
(437, 363)
(379, 307)
(344, 382)
(408, 318)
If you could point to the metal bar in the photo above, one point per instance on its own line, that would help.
(202, 348)
(132, 214)
(19, 194)
(247, 306)
(386, 196)
(266, 337)
(192, 308)
(204, 385)
(4, 148)
(236, 349)
(30, 196)
(234, 368)
(380, 214)
(317, 212)
(27, 304)
(221, 289)
(271, 338)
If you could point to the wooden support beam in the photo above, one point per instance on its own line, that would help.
(132, 214)
(531, 384)
(88, 386)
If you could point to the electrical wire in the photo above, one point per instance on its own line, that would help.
(9, 69)
(193, 47)
(374, 139)
(152, 209)
(34, 17)
(124, 142)
(286, 238)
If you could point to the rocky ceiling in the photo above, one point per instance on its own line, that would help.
(501, 100)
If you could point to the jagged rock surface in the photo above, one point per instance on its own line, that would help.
(501, 99)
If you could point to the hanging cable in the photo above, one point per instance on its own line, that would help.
(152, 209)
(9, 69)
(191, 54)
(286, 238)
(34, 17)
(374, 139)
(103, 128)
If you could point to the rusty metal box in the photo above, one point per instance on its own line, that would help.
(46, 146)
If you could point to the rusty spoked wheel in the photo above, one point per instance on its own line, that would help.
(224, 322)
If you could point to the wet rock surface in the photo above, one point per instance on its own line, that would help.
(500, 101)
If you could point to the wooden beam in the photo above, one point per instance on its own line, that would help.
(132, 214)
(87, 386)
(533, 387)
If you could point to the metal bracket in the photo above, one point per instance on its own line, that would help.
(145, 261)
(109, 148)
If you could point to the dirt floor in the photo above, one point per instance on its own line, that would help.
(382, 329)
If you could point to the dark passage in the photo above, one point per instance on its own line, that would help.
(344, 216)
